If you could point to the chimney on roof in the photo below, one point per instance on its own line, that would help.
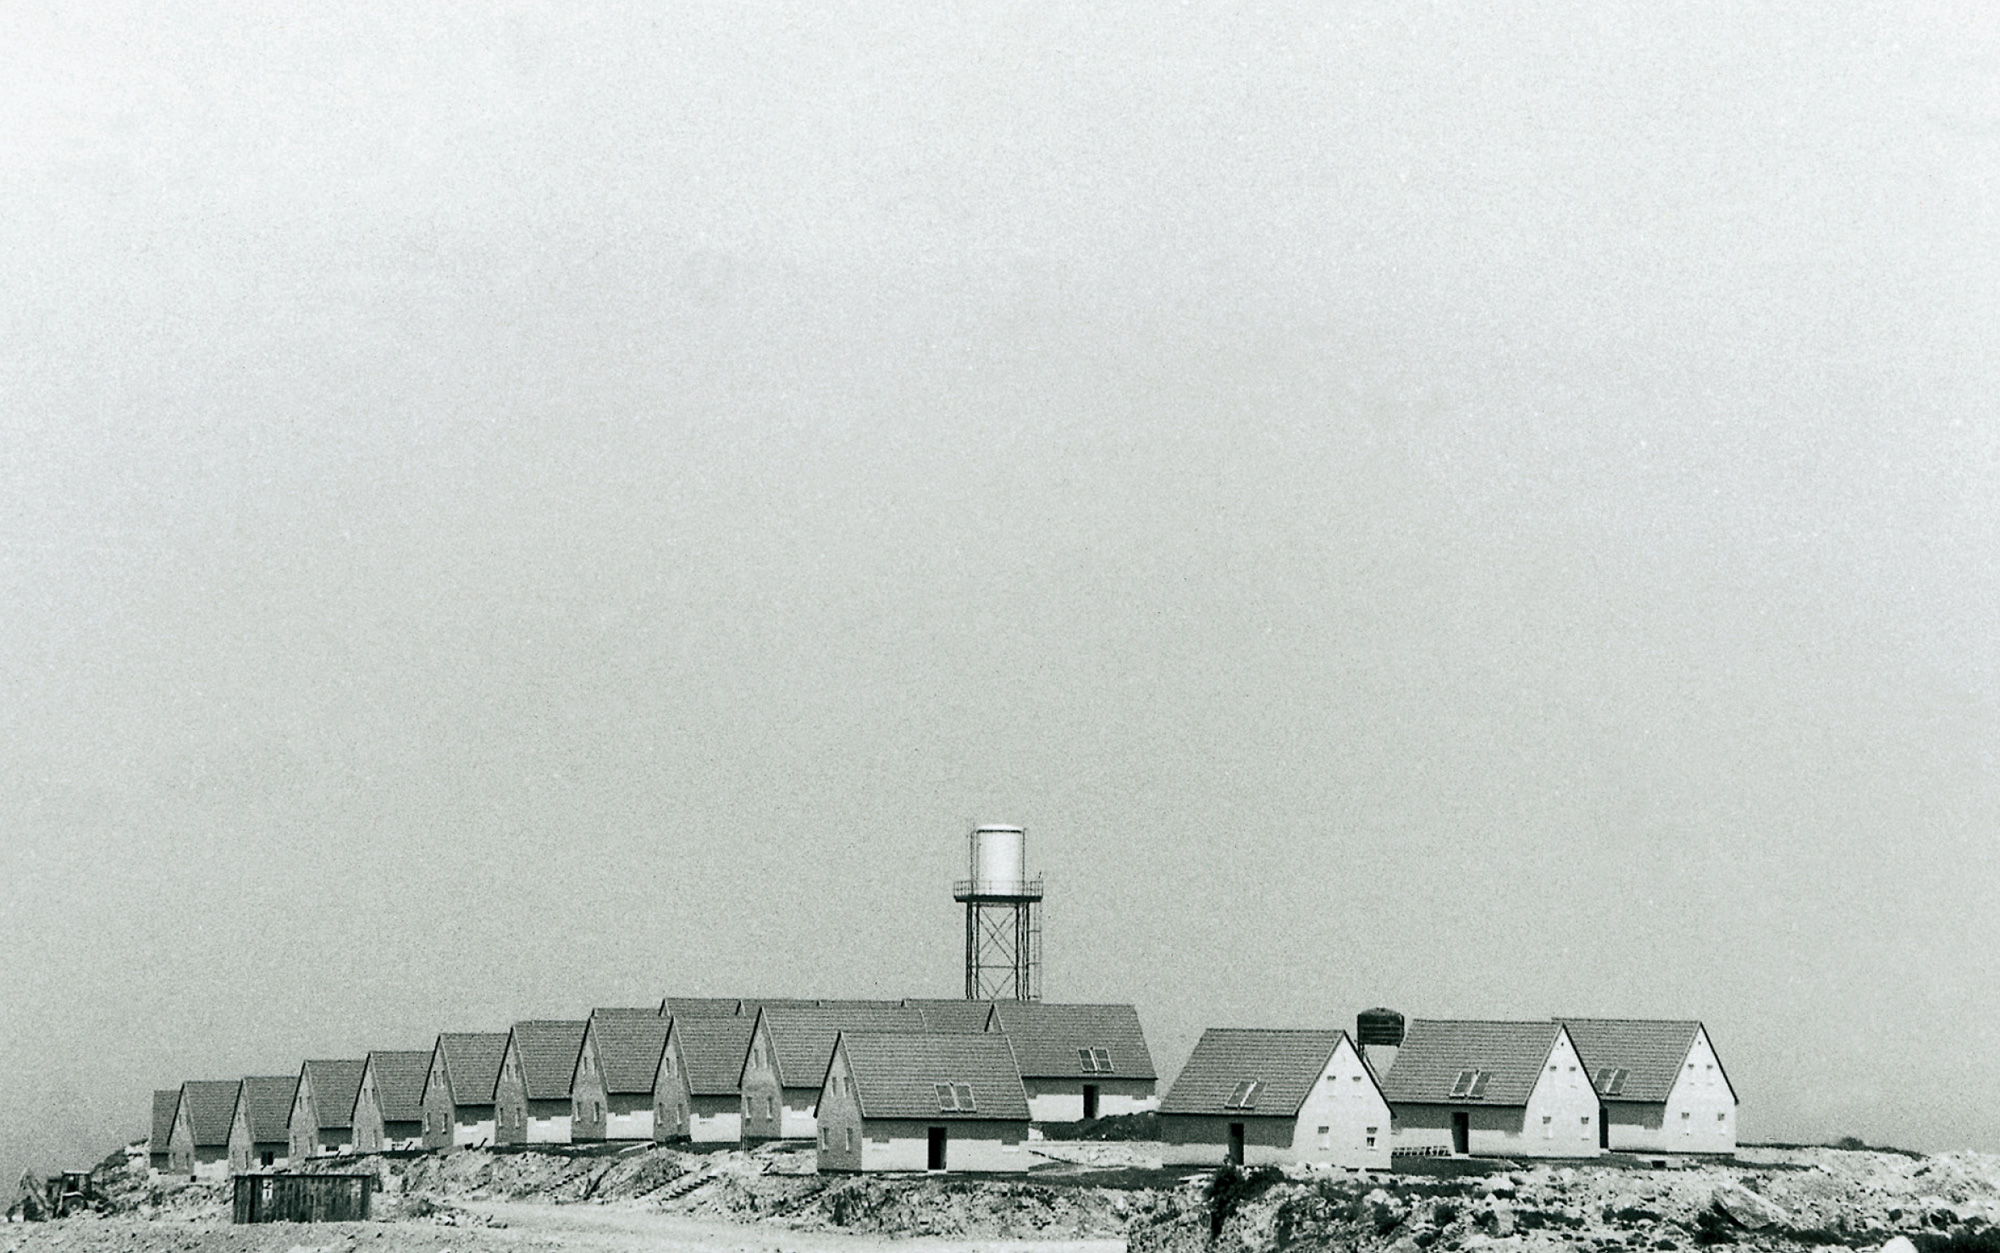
(1379, 1033)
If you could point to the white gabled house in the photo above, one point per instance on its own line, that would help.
(1274, 1096)
(531, 1101)
(322, 1118)
(258, 1139)
(389, 1107)
(458, 1089)
(1661, 1087)
(1509, 1089)
(611, 1095)
(910, 1101)
(790, 1045)
(697, 1092)
(199, 1139)
(1082, 1061)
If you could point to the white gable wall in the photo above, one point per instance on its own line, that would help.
(1561, 1118)
(1341, 1114)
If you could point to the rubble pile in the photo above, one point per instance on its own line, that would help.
(1826, 1199)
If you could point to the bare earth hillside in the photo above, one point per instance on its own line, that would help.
(1086, 1198)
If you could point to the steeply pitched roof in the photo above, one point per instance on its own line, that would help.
(802, 1035)
(1047, 1038)
(1437, 1052)
(628, 1051)
(712, 1049)
(267, 1105)
(1284, 1065)
(548, 1049)
(211, 1108)
(958, 1015)
(1650, 1051)
(334, 1082)
(472, 1064)
(897, 1075)
(164, 1101)
(701, 1007)
(399, 1083)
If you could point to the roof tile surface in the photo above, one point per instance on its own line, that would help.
(1651, 1050)
(211, 1108)
(1437, 1051)
(164, 1101)
(958, 1015)
(1286, 1064)
(267, 1105)
(548, 1049)
(896, 1074)
(472, 1064)
(334, 1083)
(399, 1083)
(628, 1051)
(1046, 1038)
(712, 1049)
(802, 1035)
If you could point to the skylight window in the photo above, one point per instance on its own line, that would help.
(1471, 1084)
(1094, 1061)
(1245, 1095)
(1611, 1080)
(955, 1097)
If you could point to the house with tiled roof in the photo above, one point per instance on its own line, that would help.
(322, 1118)
(389, 1105)
(1661, 1087)
(458, 1089)
(786, 1064)
(1274, 1096)
(159, 1145)
(259, 1135)
(950, 1101)
(198, 1145)
(611, 1094)
(531, 1102)
(1080, 1061)
(1504, 1089)
(959, 1014)
(697, 1090)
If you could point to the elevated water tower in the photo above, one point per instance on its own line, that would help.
(1003, 937)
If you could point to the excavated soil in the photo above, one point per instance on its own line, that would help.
(1083, 1198)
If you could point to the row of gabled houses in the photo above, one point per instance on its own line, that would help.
(919, 1084)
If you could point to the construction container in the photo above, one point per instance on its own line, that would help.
(267, 1198)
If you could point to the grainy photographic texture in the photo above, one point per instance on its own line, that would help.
(1483, 510)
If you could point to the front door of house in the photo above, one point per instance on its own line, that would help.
(1090, 1100)
(1236, 1143)
(1461, 1132)
(1603, 1128)
(935, 1160)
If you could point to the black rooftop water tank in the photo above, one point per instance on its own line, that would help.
(1378, 1026)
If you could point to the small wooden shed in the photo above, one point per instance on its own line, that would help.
(271, 1198)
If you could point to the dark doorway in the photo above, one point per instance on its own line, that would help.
(1461, 1132)
(1090, 1100)
(1603, 1128)
(1236, 1143)
(936, 1158)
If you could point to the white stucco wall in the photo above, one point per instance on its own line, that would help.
(1342, 1114)
(1061, 1099)
(715, 1120)
(762, 1101)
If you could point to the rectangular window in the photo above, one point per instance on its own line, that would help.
(850, 1139)
(1371, 1137)
(1548, 1127)
(1245, 1095)
(1326, 1137)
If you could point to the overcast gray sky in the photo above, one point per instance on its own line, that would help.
(1489, 510)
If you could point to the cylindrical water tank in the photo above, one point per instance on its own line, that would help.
(999, 858)
(1378, 1026)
